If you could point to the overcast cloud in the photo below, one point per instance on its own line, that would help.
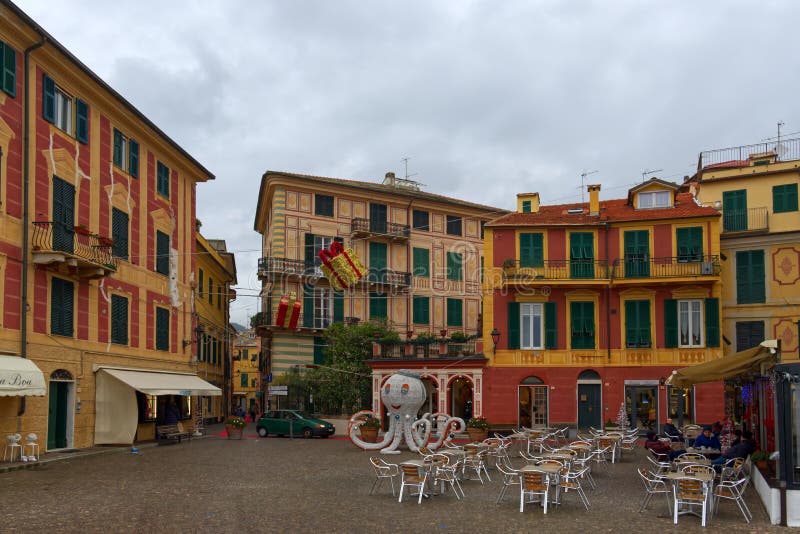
(487, 98)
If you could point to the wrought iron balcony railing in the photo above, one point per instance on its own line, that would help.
(436, 349)
(549, 270)
(783, 150)
(270, 266)
(55, 242)
(387, 277)
(666, 267)
(746, 220)
(373, 227)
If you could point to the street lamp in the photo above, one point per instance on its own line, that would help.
(495, 333)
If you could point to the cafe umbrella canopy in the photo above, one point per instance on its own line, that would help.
(752, 362)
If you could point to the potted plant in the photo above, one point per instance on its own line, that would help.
(369, 429)
(234, 427)
(760, 458)
(478, 428)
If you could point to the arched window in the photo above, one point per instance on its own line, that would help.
(60, 374)
(532, 381)
(589, 374)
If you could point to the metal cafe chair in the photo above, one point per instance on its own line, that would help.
(413, 476)
(654, 485)
(383, 470)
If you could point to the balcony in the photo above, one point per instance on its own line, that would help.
(367, 228)
(88, 255)
(555, 270)
(748, 220)
(666, 267)
(783, 150)
(387, 277)
(271, 267)
(425, 350)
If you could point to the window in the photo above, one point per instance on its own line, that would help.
(320, 242)
(162, 329)
(126, 153)
(750, 277)
(454, 266)
(690, 244)
(200, 282)
(378, 306)
(455, 312)
(323, 205)
(119, 320)
(453, 225)
(581, 255)
(784, 198)
(654, 199)
(162, 253)
(422, 262)
(421, 310)
(244, 380)
(637, 323)
(637, 253)
(582, 327)
(61, 307)
(8, 69)
(532, 325)
(57, 109)
(421, 220)
(162, 174)
(323, 307)
(526, 206)
(319, 350)
(749, 334)
(531, 250)
(734, 210)
(63, 111)
(483, 226)
(119, 233)
(210, 290)
(690, 320)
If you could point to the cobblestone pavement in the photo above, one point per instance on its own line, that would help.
(280, 485)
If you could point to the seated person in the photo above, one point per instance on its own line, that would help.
(661, 449)
(706, 439)
(743, 449)
(716, 428)
(737, 437)
(672, 432)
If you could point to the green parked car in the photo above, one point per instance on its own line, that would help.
(277, 423)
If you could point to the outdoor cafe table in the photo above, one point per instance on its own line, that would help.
(708, 453)
(551, 470)
(428, 467)
(705, 478)
(559, 456)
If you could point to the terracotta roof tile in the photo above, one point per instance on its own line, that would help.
(615, 210)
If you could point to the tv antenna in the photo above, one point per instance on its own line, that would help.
(406, 175)
(646, 172)
(584, 174)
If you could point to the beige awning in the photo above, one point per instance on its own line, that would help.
(164, 383)
(746, 363)
(20, 377)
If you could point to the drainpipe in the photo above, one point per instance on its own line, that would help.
(608, 297)
(23, 339)
(409, 318)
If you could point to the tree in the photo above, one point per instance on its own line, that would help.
(258, 319)
(344, 382)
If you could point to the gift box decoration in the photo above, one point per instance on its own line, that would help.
(288, 311)
(341, 266)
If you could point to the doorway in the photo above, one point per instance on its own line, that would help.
(590, 413)
(641, 404)
(461, 398)
(431, 404)
(60, 416)
(533, 409)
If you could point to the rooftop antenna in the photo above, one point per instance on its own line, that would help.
(405, 162)
(584, 174)
(646, 172)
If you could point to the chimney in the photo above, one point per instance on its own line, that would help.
(594, 199)
(389, 179)
(527, 202)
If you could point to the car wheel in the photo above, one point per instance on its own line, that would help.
(308, 433)
(262, 431)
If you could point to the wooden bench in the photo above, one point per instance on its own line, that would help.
(173, 432)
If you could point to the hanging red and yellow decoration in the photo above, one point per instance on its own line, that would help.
(288, 311)
(341, 266)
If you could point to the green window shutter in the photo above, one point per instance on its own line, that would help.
(378, 306)
(689, 243)
(309, 256)
(119, 320)
(48, 98)
(644, 324)
(421, 310)
(734, 210)
(455, 309)
(319, 350)
(9, 70)
(308, 308)
(244, 381)
(670, 323)
(454, 266)
(162, 329)
(784, 198)
(513, 325)
(377, 261)
(550, 326)
(117, 150)
(582, 325)
(162, 253)
(61, 307)
(712, 322)
(215, 354)
(338, 307)
(526, 206)
(162, 174)
(637, 323)
(200, 282)
(750, 284)
(119, 233)
(210, 290)
(531, 250)
(81, 121)
(133, 158)
(422, 262)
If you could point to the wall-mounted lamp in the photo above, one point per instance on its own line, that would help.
(495, 333)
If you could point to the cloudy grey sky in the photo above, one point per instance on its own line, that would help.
(487, 98)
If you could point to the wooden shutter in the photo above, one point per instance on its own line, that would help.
(133, 158)
(319, 350)
(513, 325)
(378, 306)
(309, 256)
(712, 322)
(338, 307)
(162, 253)
(9, 58)
(81, 121)
(550, 326)
(422, 262)
(750, 277)
(119, 233)
(454, 266)
(308, 308)
(162, 329)
(631, 323)
(526, 250)
(455, 312)
(670, 323)
(421, 310)
(48, 98)
(119, 319)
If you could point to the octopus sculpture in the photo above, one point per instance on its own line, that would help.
(402, 395)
